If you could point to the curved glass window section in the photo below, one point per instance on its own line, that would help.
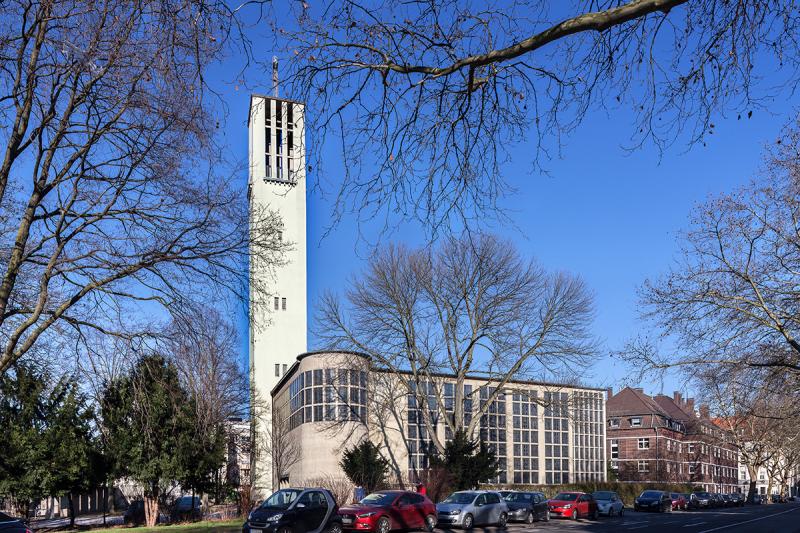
(328, 395)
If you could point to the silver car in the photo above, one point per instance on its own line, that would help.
(469, 508)
(609, 503)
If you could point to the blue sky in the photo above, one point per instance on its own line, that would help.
(603, 213)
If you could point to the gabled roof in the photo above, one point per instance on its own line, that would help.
(673, 410)
(630, 401)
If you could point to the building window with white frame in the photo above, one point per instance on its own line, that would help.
(636, 422)
(644, 466)
(644, 443)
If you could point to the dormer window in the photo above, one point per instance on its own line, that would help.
(614, 423)
(636, 422)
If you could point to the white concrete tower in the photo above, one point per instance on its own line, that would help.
(277, 182)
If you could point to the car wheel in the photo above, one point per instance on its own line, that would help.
(611, 511)
(575, 514)
(383, 525)
(547, 515)
(336, 527)
(468, 522)
(622, 510)
(595, 515)
(529, 518)
(430, 522)
(503, 520)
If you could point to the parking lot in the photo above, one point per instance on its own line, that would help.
(777, 518)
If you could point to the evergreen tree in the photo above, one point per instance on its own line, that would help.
(467, 461)
(364, 466)
(49, 443)
(149, 425)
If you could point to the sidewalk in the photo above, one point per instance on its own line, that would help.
(83, 520)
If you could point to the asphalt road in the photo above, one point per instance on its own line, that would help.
(775, 518)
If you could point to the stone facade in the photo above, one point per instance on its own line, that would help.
(542, 433)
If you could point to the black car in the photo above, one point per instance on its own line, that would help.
(9, 524)
(134, 514)
(701, 500)
(528, 507)
(726, 500)
(737, 499)
(296, 511)
(653, 500)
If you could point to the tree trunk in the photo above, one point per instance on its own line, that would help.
(71, 511)
(151, 507)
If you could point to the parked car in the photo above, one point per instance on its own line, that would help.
(388, 510)
(469, 508)
(134, 514)
(701, 500)
(295, 511)
(528, 507)
(573, 505)
(678, 501)
(716, 500)
(609, 503)
(653, 500)
(737, 499)
(188, 507)
(758, 499)
(504, 493)
(726, 500)
(778, 498)
(9, 524)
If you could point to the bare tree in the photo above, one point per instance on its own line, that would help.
(731, 299)
(472, 307)
(272, 442)
(111, 200)
(428, 96)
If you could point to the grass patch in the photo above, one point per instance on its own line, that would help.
(217, 526)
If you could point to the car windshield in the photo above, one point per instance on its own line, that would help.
(675, 496)
(650, 494)
(460, 497)
(603, 495)
(566, 496)
(702, 495)
(519, 497)
(5, 518)
(379, 498)
(281, 499)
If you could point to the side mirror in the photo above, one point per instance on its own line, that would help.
(300, 505)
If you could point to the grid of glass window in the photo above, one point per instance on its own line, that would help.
(588, 453)
(493, 429)
(556, 437)
(418, 443)
(525, 423)
(329, 394)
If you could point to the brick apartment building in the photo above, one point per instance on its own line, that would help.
(661, 439)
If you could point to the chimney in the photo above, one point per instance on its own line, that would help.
(704, 412)
(610, 391)
(690, 405)
(676, 397)
(639, 389)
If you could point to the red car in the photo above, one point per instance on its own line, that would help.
(573, 505)
(388, 510)
(678, 501)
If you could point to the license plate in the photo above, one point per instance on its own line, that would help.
(256, 530)
(347, 520)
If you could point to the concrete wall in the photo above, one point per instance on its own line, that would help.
(277, 336)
